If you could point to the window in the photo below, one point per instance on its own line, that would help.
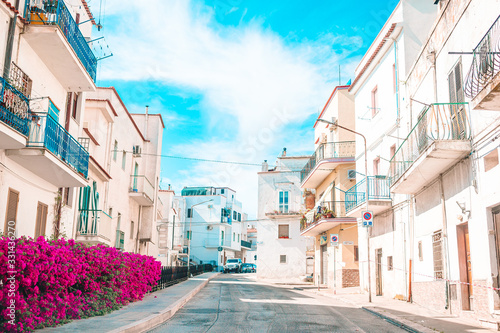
(420, 253)
(356, 253)
(110, 211)
(67, 195)
(235, 215)
(391, 154)
(455, 84)
(374, 101)
(115, 151)
(437, 254)
(188, 234)
(124, 159)
(234, 237)
(283, 231)
(491, 160)
(41, 220)
(119, 221)
(120, 240)
(11, 217)
(283, 201)
(239, 217)
(189, 212)
(283, 259)
(131, 229)
(457, 112)
(376, 166)
(238, 238)
(389, 263)
(74, 108)
(222, 191)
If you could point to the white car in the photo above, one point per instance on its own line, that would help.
(233, 265)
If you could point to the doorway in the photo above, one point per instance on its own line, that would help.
(324, 264)
(465, 266)
(378, 271)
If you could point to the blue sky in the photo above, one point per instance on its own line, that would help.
(235, 80)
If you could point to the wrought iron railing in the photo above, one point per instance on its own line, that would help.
(14, 108)
(344, 149)
(94, 223)
(19, 79)
(171, 275)
(45, 132)
(324, 210)
(141, 184)
(55, 12)
(486, 62)
(378, 189)
(440, 121)
(246, 244)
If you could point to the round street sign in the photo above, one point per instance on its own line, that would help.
(367, 216)
(219, 248)
(335, 238)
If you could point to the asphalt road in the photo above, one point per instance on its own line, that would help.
(237, 303)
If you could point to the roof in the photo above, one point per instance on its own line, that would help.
(126, 110)
(104, 100)
(89, 13)
(374, 54)
(329, 100)
(10, 6)
(154, 115)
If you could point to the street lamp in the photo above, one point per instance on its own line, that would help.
(191, 233)
(335, 124)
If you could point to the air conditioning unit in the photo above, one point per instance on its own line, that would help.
(351, 174)
(210, 206)
(136, 151)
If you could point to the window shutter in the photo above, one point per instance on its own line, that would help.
(451, 83)
(12, 203)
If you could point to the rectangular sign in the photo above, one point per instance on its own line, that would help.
(367, 218)
(323, 239)
(334, 239)
(348, 242)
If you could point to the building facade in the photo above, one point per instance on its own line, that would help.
(326, 177)
(214, 226)
(281, 250)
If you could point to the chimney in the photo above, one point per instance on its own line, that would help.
(169, 187)
(265, 166)
(284, 152)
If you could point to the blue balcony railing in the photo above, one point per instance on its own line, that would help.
(344, 149)
(55, 12)
(246, 244)
(378, 189)
(45, 132)
(14, 108)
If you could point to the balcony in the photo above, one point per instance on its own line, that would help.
(482, 85)
(141, 190)
(53, 154)
(211, 243)
(94, 227)
(56, 38)
(440, 139)
(246, 245)
(379, 196)
(282, 215)
(329, 215)
(326, 158)
(14, 117)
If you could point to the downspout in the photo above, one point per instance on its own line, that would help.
(396, 69)
(10, 43)
(139, 220)
(445, 244)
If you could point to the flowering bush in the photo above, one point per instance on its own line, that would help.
(57, 281)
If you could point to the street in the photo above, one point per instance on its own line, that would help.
(237, 303)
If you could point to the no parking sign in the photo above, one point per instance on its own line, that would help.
(367, 217)
(334, 239)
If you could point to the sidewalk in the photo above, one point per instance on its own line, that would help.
(410, 316)
(143, 315)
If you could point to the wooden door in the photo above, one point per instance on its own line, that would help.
(41, 220)
(11, 215)
(469, 266)
(378, 270)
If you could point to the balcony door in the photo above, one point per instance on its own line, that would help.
(457, 111)
(41, 220)
(136, 171)
(11, 216)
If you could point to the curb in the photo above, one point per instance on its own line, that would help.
(162, 316)
(402, 323)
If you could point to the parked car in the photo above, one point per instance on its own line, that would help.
(233, 265)
(249, 268)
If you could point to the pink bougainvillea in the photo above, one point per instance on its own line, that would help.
(58, 281)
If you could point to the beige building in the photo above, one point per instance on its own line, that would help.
(329, 173)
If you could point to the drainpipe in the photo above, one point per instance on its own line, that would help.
(445, 244)
(139, 220)
(10, 43)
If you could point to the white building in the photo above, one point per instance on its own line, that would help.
(170, 226)
(281, 250)
(214, 223)
(120, 206)
(47, 69)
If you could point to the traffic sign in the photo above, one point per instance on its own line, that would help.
(334, 239)
(219, 248)
(367, 217)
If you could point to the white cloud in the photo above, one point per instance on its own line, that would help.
(244, 73)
